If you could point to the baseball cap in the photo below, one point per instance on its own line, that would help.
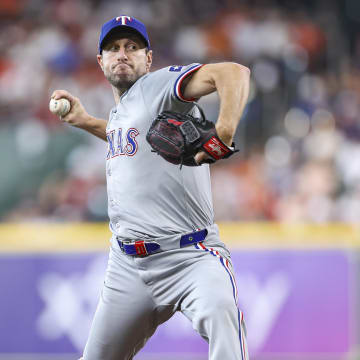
(123, 22)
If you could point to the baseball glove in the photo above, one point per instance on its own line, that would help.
(179, 137)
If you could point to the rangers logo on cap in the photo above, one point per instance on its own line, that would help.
(123, 19)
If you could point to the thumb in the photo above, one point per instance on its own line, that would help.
(202, 157)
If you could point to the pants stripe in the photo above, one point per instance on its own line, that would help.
(242, 336)
(225, 264)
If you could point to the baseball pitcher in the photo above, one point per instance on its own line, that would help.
(165, 254)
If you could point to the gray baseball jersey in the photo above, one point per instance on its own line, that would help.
(149, 199)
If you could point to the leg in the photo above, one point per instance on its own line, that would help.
(125, 317)
(212, 307)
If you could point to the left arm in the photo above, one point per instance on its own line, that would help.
(231, 81)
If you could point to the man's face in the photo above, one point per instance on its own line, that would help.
(124, 59)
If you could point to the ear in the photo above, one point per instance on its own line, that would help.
(100, 62)
(148, 60)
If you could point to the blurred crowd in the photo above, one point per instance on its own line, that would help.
(299, 137)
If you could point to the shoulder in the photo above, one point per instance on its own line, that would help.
(172, 71)
(169, 78)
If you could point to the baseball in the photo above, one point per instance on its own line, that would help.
(59, 107)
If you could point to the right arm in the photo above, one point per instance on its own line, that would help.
(78, 116)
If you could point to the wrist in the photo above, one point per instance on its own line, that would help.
(86, 123)
(225, 134)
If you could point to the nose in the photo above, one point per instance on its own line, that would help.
(121, 54)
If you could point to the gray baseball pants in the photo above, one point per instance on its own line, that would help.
(140, 293)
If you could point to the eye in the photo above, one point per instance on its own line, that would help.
(110, 47)
(114, 47)
(132, 47)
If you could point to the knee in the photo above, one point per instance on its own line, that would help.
(217, 309)
(221, 303)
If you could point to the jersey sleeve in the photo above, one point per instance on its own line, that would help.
(161, 89)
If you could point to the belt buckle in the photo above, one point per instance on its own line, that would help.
(140, 248)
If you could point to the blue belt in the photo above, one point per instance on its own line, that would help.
(144, 248)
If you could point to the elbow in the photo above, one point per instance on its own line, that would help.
(242, 70)
(236, 71)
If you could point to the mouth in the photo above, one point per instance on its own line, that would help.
(121, 67)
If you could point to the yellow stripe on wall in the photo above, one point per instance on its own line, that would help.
(275, 235)
(33, 237)
(70, 237)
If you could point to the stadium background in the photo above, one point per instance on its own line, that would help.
(288, 204)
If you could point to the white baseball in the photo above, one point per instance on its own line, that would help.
(59, 107)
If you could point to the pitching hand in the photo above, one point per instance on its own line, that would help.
(77, 116)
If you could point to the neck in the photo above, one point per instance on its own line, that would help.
(117, 93)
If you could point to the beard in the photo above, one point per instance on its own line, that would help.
(121, 82)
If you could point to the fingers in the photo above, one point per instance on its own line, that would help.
(203, 158)
(58, 94)
(198, 157)
(77, 116)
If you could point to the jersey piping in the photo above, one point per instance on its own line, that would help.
(180, 79)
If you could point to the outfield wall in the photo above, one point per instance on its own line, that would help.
(298, 288)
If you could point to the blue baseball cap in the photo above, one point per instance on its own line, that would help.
(123, 22)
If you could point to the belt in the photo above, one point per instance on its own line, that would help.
(145, 248)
